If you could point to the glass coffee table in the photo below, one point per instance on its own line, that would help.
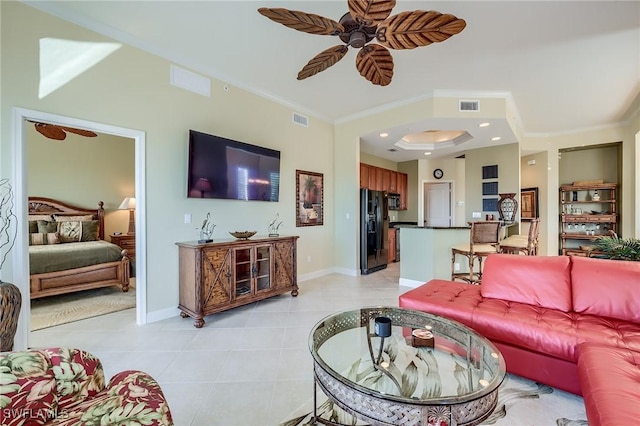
(424, 370)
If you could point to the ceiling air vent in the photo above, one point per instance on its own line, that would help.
(300, 119)
(469, 105)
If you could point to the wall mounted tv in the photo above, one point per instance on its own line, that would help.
(233, 170)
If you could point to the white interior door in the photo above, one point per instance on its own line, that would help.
(437, 204)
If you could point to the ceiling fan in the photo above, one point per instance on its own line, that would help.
(59, 133)
(368, 20)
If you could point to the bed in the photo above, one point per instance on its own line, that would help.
(68, 252)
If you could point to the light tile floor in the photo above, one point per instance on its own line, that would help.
(247, 366)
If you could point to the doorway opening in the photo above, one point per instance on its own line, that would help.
(21, 119)
(437, 207)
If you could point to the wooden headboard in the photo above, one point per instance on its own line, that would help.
(41, 205)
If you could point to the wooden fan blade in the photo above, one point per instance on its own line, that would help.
(80, 132)
(50, 131)
(408, 30)
(303, 21)
(375, 64)
(322, 61)
(371, 11)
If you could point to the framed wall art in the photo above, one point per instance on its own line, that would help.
(309, 198)
(528, 203)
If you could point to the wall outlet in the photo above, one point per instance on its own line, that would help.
(309, 259)
(476, 215)
(456, 266)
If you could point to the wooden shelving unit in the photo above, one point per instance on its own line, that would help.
(583, 219)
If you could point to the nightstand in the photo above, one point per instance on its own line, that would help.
(126, 242)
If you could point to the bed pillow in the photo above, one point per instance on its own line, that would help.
(33, 221)
(70, 231)
(46, 227)
(82, 218)
(43, 239)
(90, 230)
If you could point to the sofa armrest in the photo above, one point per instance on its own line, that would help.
(132, 397)
(42, 385)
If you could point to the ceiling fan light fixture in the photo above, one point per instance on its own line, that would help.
(367, 20)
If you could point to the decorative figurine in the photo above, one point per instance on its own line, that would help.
(274, 225)
(206, 230)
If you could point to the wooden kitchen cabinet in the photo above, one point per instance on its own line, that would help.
(364, 175)
(393, 181)
(391, 239)
(379, 179)
(403, 190)
(217, 276)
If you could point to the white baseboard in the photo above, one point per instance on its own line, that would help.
(162, 314)
(404, 282)
(327, 271)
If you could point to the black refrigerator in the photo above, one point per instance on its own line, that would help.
(374, 224)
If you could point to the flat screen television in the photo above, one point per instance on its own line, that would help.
(232, 170)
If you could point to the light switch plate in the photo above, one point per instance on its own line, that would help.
(476, 215)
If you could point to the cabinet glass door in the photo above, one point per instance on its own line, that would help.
(263, 268)
(243, 272)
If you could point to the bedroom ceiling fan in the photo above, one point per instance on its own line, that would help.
(59, 133)
(368, 20)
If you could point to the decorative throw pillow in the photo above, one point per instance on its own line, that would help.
(83, 218)
(46, 227)
(42, 239)
(90, 230)
(70, 232)
(37, 217)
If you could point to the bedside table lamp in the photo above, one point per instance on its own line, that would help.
(129, 203)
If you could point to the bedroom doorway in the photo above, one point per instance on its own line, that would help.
(22, 122)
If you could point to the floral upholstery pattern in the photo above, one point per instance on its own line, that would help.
(63, 386)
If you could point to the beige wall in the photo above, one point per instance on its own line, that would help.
(105, 163)
(507, 158)
(372, 160)
(131, 89)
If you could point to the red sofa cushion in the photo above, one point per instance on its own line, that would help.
(604, 287)
(542, 281)
(610, 380)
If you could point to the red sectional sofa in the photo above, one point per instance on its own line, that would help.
(570, 322)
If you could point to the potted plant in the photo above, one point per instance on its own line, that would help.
(614, 247)
(10, 297)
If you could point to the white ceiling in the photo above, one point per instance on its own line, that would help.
(565, 66)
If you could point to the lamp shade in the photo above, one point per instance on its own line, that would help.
(129, 203)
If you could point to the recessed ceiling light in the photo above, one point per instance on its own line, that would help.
(496, 138)
(427, 153)
(484, 124)
(384, 134)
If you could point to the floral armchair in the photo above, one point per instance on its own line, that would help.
(63, 386)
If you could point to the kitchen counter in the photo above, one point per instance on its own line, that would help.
(426, 252)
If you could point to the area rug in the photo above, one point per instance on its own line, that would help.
(66, 308)
(521, 402)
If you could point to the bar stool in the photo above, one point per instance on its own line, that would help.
(527, 245)
(483, 241)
